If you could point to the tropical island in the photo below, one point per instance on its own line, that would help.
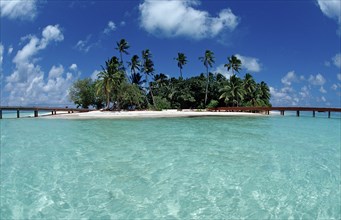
(135, 85)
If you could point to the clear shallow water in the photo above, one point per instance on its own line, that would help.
(208, 168)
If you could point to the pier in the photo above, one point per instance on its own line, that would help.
(36, 110)
(280, 109)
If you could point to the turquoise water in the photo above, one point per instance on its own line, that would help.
(22, 114)
(185, 168)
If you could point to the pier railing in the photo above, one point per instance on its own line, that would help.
(280, 109)
(36, 110)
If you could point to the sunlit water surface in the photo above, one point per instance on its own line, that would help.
(187, 168)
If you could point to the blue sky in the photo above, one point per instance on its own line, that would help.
(294, 46)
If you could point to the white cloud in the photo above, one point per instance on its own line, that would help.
(84, 45)
(322, 90)
(250, 63)
(284, 96)
(51, 33)
(317, 80)
(222, 70)
(305, 92)
(56, 71)
(10, 50)
(123, 23)
(1, 52)
(23, 9)
(338, 76)
(73, 67)
(179, 18)
(289, 78)
(334, 86)
(28, 78)
(110, 27)
(331, 9)
(94, 74)
(337, 59)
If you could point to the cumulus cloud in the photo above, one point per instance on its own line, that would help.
(84, 45)
(289, 78)
(110, 27)
(1, 53)
(73, 67)
(27, 84)
(94, 74)
(322, 90)
(331, 9)
(222, 70)
(317, 80)
(338, 76)
(179, 18)
(23, 10)
(337, 59)
(334, 86)
(250, 63)
(10, 50)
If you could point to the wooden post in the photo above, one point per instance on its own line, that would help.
(35, 113)
(313, 113)
(328, 114)
(282, 112)
(298, 113)
(18, 114)
(0, 113)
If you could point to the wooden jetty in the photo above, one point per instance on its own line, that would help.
(36, 110)
(280, 109)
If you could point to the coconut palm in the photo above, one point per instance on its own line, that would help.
(264, 93)
(148, 69)
(234, 64)
(207, 60)
(232, 91)
(182, 60)
(122, 47)
(249, 85)
(110, 76)
(134, 65)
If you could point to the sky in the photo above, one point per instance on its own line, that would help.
(294, 46)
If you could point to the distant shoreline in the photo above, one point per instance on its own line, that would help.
(146, 114)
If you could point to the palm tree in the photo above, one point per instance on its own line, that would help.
(207, 60)
(232, 91)
(249, 85)
(264, 93)
(122, 47)
(148, 69)
(182, 60)
(134, 65)
(109, 78)
(234, 64)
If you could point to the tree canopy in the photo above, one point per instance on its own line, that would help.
(115, 88)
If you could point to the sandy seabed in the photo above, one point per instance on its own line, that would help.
(147, 114)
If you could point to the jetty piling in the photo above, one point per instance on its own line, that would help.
(37, 109)
(298, 110)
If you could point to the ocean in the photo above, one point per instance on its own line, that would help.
(267, 167)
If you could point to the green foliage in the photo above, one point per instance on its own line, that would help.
(82, 93)
(161, 103)
(117, 90)
(129, 96)
(213, 104)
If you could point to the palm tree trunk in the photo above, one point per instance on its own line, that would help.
(180, 73)
(206, 86)
(152, 95)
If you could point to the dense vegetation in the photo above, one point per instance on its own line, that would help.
(136, 86)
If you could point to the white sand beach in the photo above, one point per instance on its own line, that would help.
(147, 114)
